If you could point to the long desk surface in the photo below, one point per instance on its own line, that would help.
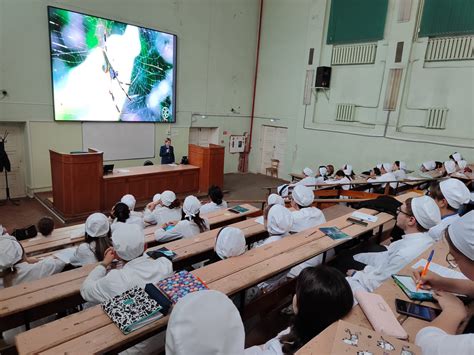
(92, 331)
(67, 236)
(149, 169)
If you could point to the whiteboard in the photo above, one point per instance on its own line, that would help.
(120, 141)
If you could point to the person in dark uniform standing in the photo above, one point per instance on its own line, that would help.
(167, 152)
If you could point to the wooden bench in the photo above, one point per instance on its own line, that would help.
(68, 236)
(92, 331)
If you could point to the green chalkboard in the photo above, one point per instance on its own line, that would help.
(447, 18)
(355, 21)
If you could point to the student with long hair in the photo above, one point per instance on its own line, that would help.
(191, 223)
(217, 203)
(97, 241)
(121, 214)
(323, 296)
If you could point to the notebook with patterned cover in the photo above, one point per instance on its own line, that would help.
(132, 309)
(180, 284)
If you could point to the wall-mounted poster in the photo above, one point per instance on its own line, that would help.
(237, 144)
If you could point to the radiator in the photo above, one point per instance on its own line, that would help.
(450, 48)
(345, 112)
(354, 54)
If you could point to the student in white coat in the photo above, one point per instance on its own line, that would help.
(340, 178)
(309, 179)
(274, 199)
(386, 175)
(440, 337)
(277, 221)
(217, 203)
(429, 165)
(230, 242)
(121, 215)
(131, 201)
(416, 216)
(139, 269)
(456, 157)
(305, 217)
(449, 167)
(322, 297)
(191, 223)
(16, 267)
(399, 170)
(205, 323)
(148, 216)
(166, 209)
(97, 241)
(449, 195)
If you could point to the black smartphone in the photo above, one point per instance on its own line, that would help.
(162, 252)
(416, 310)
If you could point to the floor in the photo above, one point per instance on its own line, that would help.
(237, 187)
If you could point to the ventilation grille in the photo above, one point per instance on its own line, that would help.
(436, 118)
(354, 54)
(450, 48)
(345, 112)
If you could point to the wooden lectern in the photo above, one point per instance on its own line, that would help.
(210, 160)
(77, 182)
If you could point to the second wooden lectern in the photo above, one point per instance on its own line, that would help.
(210, 160)
(77, 182)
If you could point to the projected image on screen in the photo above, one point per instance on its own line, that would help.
(104, 70)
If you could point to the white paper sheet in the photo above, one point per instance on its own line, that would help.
(65, 254)
(364, 216)
(440, 270)
(259, 220)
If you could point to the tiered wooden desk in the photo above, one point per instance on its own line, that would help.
(91, 331)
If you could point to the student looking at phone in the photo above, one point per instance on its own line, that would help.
(439, 338)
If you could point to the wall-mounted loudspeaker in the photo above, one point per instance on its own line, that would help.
(323, 77)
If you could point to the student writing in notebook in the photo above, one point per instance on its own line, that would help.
(439, 337)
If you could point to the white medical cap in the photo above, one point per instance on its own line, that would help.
(275, 199)
(429, 165)
(279, 220)
(455, 192)
(303, 195)
(347, 169)
(97, 225)
(168, 197)
(461, 233)
(456, 156)
(387, 167)
(230, 242)
(128, 241)
(205, 323)
(129, 200)
(462, 164)
(450, 166)
(323, 171)
(283, 190)
(402, 165)
(10, 251)
(379, 165)
(191, 206)
(156, 197)
(308, 172)
(426, 211)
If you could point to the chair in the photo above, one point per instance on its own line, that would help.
(147, 163)
(25, 233)
(273, 169)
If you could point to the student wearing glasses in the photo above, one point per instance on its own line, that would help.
(416, 216)
(440, 337)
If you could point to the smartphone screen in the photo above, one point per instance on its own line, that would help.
(416, 310)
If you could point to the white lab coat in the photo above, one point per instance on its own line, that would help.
(100, 286)
(183, 229)
(162, 214)
(310, 181)
(303, 219)
(31, 272)
(435, 341)
(131, 220)
(437, 232)
(271, 347)
(84, 255)
(212, 207)
(344, 180)
(380, 266)
(383, 178)
(400, 174)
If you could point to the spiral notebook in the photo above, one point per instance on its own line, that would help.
(132, 310)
